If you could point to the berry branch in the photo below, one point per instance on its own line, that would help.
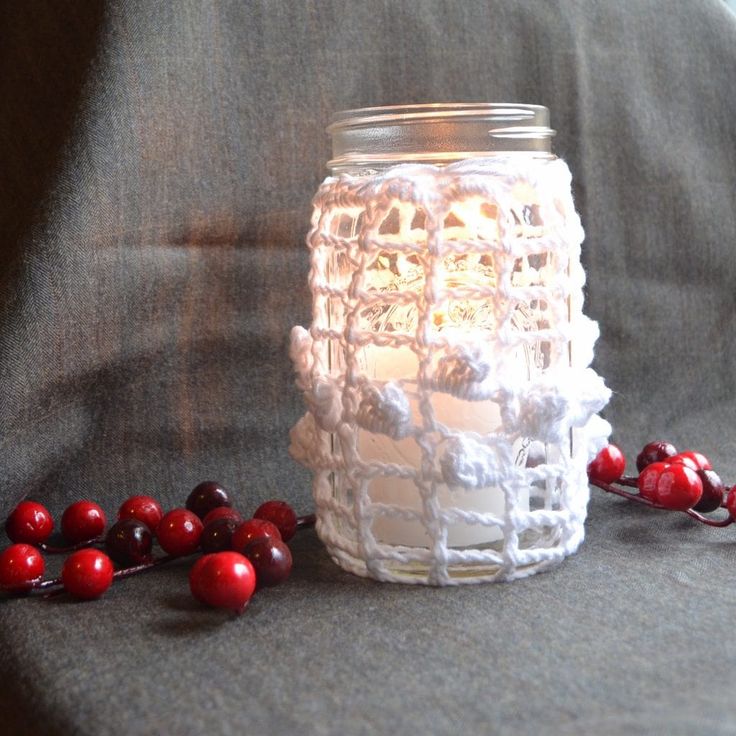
(667, 480)
(637, 498)
(240, 555)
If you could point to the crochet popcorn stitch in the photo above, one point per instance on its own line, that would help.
(447, 366)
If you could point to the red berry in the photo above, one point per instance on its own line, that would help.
(654, 452)
(223, 580)
(81, 521)
(207, 496)
(218, 535)
(608, 465)
(179, 532)
(281, 515)
(222, 512)
(87, 574)
(21, 565)
(731, 503)
(701, 460)
(678, 487)
(648, 479)
(144, 508)
(693, 460)
(30, 523)
(271, 559)
(251, 530)
(713, 490)
(129, 542)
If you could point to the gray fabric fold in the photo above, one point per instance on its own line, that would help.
(158, 163)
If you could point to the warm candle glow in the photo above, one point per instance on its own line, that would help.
(473, 219)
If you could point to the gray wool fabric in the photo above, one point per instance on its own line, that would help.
(158, 160)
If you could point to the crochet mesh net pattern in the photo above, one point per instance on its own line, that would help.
(451, 407)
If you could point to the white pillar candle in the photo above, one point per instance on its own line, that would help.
(479, 417)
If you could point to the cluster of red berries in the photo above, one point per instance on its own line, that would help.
(668, 479)
(240, 554)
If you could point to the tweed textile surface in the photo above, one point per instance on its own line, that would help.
(158, 161)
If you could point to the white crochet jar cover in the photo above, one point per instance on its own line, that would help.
(451, 407)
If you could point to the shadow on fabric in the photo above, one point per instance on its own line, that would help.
(46, 50)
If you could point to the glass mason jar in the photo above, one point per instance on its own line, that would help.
(451, 407)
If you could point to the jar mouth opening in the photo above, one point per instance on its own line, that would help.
(522, 115)
(370, 137)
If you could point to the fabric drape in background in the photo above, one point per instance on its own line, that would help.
(158, 159)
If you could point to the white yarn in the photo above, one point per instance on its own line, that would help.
(466, 463)
(466, 371)
(516, 261)
(547, 408)
(324, 402)
(385, 410)
(300, 353)
(304, 441)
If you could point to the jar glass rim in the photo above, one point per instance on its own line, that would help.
(521, 114)
(370, 137)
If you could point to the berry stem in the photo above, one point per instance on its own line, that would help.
(305, 522)
(53, 550)
(709, 522)
(608, 488)
(126, 572)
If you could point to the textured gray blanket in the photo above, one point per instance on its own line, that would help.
(158, 160)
